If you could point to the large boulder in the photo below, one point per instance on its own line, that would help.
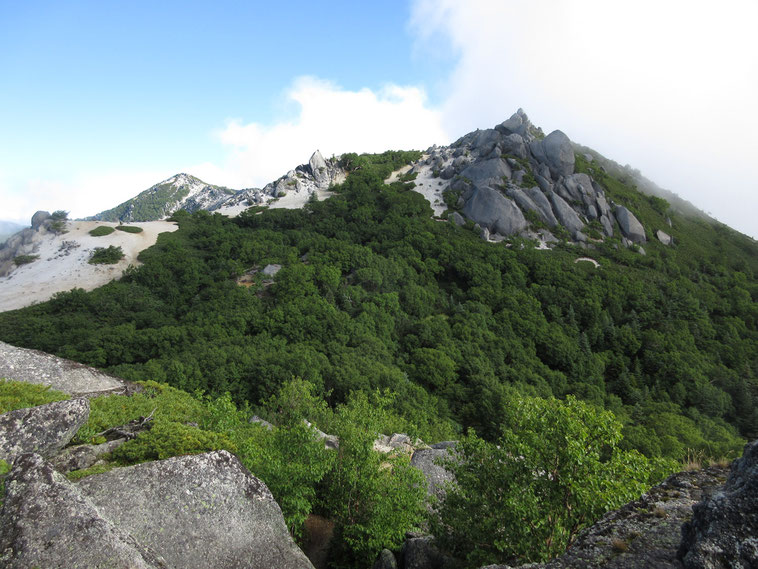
(45, 429)
(203, 511)
(664, 237)
(39, 218)
(544, 209)
(493, 211)
(422, 553)
(491, 172)
(723, 533)
(556, 152)
(517, 124)
(46, 522)
(566, 215)
(70, 377)
(630, 226)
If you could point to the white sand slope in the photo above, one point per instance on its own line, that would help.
(62, 263)
(427, 184)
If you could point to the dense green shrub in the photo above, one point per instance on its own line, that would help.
(106, 255)
(170, 438)
(20, 394)
(373, 499)
(129, 228)
(24, 259)
(554, 470)
(160, 401)
(101, 230)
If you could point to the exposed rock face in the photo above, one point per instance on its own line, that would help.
(493, 210)
(45, 429)
(642, 534)
(723, 533)
(203, 511)
(566, 214)
(630, 226)
(318, 168)
(556, 151)
(46, 522)
(436, 476)
(70, 377)
(487, 172)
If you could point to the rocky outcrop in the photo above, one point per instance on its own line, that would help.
(630, 226)
(318, 175)
(25, 242)
(32, 366)
(45, 429)
(39, 218)
(203, 511)
(503, 173)
(723, 533)
(46, 522)
(436, 476)
(489, 172)
(318, 168)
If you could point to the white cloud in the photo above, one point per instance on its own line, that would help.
(669, 87)
(81, 195)
(331, 119)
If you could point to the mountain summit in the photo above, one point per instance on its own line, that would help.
(181, 191)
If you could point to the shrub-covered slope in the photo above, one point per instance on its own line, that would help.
(374, 293)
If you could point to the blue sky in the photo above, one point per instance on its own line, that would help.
(99, 100)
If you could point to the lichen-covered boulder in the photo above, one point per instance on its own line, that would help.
(723, 533)
(32, 366)
(46, 522)
(204, 511)
(45, 429)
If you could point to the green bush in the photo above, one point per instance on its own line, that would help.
(170, 438)
(129, 228)
(165, 403)
(20, 394)
(106, 255)
(373, 499)
(25, 259)
(555, 469)
(101, 230)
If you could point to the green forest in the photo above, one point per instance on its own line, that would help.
(376, 297)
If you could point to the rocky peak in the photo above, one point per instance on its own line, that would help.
(507, 176)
